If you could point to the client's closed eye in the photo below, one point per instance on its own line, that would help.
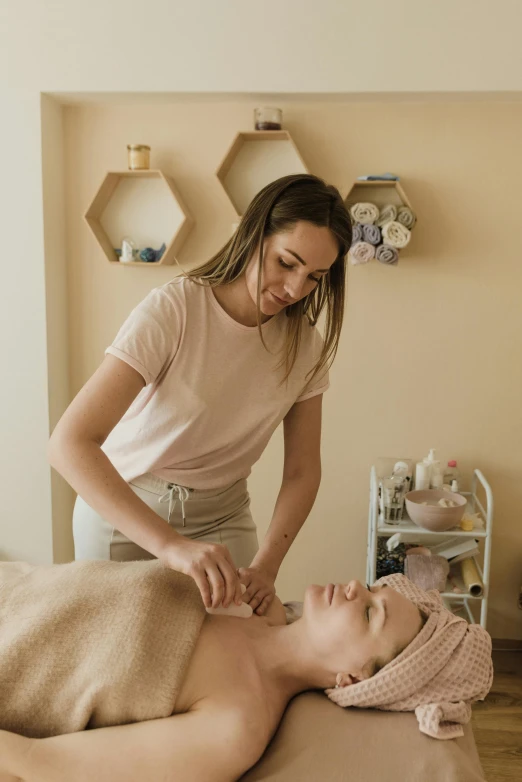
(367, 610)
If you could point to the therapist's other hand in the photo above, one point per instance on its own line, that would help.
(212, 568)
(260, 589)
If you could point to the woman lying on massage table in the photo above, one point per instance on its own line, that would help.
(176, 694)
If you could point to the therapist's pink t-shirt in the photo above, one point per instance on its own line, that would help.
(213, 394)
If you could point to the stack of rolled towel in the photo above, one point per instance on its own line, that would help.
(380, 233)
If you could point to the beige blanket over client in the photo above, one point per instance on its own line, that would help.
(113, 668)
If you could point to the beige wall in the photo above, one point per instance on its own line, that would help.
(430, 350)
(373, 52)
(289, 46)
(25, 515)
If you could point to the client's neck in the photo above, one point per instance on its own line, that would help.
(283, 660)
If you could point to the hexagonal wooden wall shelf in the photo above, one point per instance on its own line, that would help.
(139, 204)
(254, 159)
(379, 192)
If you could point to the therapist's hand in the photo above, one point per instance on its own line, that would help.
(212, 568)
(260, 589)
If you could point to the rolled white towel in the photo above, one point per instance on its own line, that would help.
(396, 234)
(364, 213)
(406, 216)
(361, 252)
(387, 254)
(387, 214)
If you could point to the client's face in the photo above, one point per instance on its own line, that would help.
(350, 627)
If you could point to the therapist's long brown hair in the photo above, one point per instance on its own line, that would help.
(276, 208)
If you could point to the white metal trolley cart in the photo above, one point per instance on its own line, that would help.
(411, 532)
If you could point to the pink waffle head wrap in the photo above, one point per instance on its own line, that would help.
(446, 667)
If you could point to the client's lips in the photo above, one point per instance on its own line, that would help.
(330, 588)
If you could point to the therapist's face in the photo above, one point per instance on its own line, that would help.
(350, 626)
(293, 263)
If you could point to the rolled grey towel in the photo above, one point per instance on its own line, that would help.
(406, 216)
(357, 233)
(387, 214)
(387, 254)
(364, 213)
(362, 252)
(371, 234)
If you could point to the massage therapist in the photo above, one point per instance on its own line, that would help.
(159, 442)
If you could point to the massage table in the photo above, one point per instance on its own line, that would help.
(317, 741)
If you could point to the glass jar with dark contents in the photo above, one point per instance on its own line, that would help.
(268, 118)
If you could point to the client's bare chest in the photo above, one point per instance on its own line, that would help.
(219, 665)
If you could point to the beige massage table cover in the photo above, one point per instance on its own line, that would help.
(318, 741)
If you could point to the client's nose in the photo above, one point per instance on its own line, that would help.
(354, 589)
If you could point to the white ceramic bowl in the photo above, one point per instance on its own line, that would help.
(433, 516)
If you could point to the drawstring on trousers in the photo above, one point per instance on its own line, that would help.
(182, 494)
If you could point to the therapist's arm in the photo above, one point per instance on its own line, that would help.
(300, 484)
(212, 745)
(75, 452)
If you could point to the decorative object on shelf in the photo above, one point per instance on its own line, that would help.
(451, 472)
(389, 561)
(433, 516)
(392, 491)
(357, 234)
(427, 570)
(128, 250)
(388, 214)
(253, 160)
(429, 474)
(364, 214)
(378, 177)
(120, 188)
(138, 156)
(371, 234)
(406, 217)
(470, 577)
(395, 234)
(268, 118)
(386, 254)
(361, 252)
(471, 521)
(382, 218)
(149, 255)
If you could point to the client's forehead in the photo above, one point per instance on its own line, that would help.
(404, 619)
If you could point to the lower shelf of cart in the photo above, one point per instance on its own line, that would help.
(460, 596)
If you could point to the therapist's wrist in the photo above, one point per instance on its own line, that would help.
(168, 542)
(266, 563)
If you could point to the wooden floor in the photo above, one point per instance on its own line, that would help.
(497, 722)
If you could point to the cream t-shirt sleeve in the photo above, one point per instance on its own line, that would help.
(317, 385)
(321, 382)
(149, 338)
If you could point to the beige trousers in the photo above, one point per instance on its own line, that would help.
(216, 516)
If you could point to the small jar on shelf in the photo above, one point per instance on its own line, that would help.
(138, 157)
(268, 118)
(451, 473)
